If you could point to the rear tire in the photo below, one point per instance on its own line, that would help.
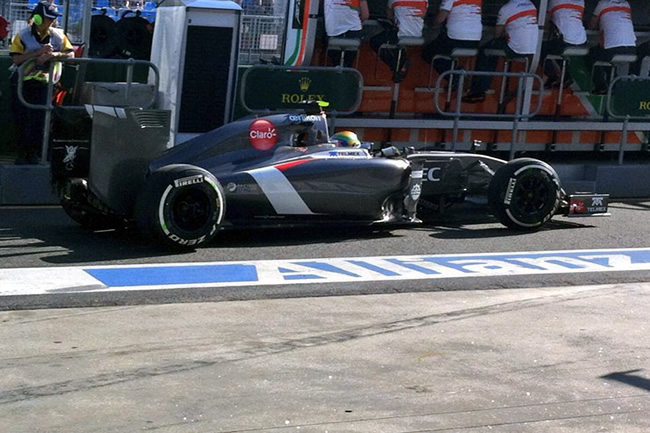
(180, 206)
(524, 194)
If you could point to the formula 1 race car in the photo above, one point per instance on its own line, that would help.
(283, 169)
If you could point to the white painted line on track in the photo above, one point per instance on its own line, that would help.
(38, 281)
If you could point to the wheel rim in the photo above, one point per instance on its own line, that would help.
(531, 195)
(191, 210)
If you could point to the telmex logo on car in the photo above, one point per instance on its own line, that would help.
(578, 205)
(348, 153)
(597, 205)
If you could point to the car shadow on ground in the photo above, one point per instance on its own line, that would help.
(292, 236)
(459, 231)
(47, 235)
(636, 204)
(472, 222)
(33, 236)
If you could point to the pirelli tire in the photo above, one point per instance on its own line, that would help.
(180, 206)
(524, 194)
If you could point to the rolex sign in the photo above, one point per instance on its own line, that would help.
(279, 88)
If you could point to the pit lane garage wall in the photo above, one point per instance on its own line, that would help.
(415, 121)
(291, 32)
(415, 105)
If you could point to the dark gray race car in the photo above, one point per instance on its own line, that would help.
(282, 169)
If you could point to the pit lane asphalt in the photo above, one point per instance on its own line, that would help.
(45, 237)
(543, 358)
(569, 359)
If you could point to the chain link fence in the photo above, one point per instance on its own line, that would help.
(261, 38)
(262, 31)
(16, 13)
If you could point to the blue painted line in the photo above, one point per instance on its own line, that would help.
(328, 267)
(374, 268)
(319, 270)
(290, 274)
(152, 276)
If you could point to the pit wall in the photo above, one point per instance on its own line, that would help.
(416, 103)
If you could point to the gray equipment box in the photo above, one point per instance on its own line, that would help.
(124, 142)
(117, 94)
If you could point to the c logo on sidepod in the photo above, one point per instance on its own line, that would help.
(262, 134)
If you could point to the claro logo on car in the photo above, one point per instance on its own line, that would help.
(192, 180)
(262, 134)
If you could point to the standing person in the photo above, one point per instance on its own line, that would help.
(614, 20)
(516, 33)
(343, 19)
(39, 42)
(462, 29)
(565, 17)
(407, 18)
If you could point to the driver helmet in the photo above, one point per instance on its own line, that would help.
(345, 139)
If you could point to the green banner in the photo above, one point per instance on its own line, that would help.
(630, 97)
(278, 88)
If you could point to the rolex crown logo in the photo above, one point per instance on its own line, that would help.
(305, 82)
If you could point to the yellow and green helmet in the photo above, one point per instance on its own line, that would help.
(345, 139)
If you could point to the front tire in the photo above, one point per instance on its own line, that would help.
(524, 194)
(180, 206)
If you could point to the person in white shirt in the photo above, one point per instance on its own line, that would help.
(565, 17)
(406, 20)
(343, 19)
(516, 33)
(614, 20)
(462, 29)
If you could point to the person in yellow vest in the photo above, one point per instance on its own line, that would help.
(37, 43)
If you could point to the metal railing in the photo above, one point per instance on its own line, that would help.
(461, 121)
(49, 106)
(517, 116)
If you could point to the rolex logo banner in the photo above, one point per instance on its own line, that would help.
(279, 88)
